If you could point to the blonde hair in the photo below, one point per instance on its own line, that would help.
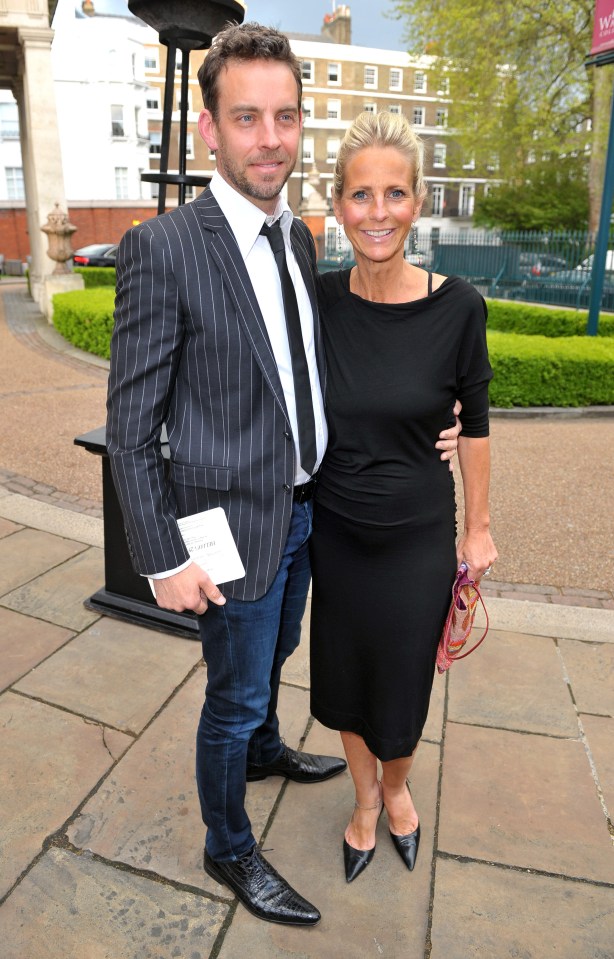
(381, 130)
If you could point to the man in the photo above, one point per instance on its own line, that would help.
(200, 344)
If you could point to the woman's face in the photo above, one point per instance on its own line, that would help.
(377, 206)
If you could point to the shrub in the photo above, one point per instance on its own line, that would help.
(85, 318)
(96, 275)
(541, 371)
(512, 317)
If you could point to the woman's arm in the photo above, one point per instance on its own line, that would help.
(475, 547)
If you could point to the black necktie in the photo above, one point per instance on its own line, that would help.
(300, 370)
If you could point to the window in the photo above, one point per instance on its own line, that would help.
(396, 79)
(137, 121)
(441, 118)
(445, 87)
(308, 155)
(466, 200)
(153, 100)
(333, 110)
(307, 71)
(419, 82)
(437, 200)
(189, 146)
(439, 154)
(469, 164)
(189, 191)
(371, 77)
(334, 73)
(9, 121)
(370, 107)
(178, 60)
(155, 143)
(14, 183)
(117, 121)
(121, 182)
(329, 189)
(395, 108)
(308, 108)
(151, 59)
(418, 117)
(332, 149)
(493, 163)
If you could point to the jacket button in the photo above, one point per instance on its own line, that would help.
(287, 435)
(287, 488)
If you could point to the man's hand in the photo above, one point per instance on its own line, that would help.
(191, 589)
(448, 439)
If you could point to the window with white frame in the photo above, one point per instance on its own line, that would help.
(441, 118)
(308, 108)
(329, 189)
(370, 107)
(332, 149)
(117, 121)
(466, 200)
(137, 121)
(152, 100)
(151, 59)
(396, 79)
(493, 163)
(437, 199)
(334, 73)
(370, 78)
(333, 110)
(308, 154)
(418, 116)
(439, 154)
(469, 163)
(419, 82)
(307, 71)
(189, 101)
(155, 142)
(121, 182)
(14, 183)
(395, 108)
(444, 90)
(189, 191)
(9, 121)
(178, 60)
(189, 146)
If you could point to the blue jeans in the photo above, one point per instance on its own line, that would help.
(245, 645)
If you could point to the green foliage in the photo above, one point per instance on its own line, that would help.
(96, 275)
(542, 371)
(85, 318)
(510, 316)
(552, 195)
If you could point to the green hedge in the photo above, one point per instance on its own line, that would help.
(512, 317)
(96, 275)
(542, 371)
(85, 318)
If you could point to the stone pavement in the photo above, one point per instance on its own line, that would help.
(101, 835)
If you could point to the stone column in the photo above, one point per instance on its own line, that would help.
(40, 146)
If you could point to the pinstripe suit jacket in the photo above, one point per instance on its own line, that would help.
(190, 349)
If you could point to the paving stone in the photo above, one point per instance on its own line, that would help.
(514, 682)
(522, 800)
(599, 732)
(483, 911)
(7, 528)
(28, 553)
(115, 673)
(146, 814)
(590, 667)
(49, 762)
(24, 642)
(74, 907)
(524, 597)
(384, 912)
(57, 596)
(576, 600)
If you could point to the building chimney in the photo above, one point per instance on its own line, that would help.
(337, 25)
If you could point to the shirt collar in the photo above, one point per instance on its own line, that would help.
(244, 217)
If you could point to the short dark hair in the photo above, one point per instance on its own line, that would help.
(244, 42)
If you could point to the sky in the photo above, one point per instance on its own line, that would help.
(370, 26)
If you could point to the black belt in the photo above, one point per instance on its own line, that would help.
(303, 493)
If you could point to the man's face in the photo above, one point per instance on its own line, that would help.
(256, 135)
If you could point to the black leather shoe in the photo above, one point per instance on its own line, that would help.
(300, 767)
(355, 860)
(262, 890)
(407, 846)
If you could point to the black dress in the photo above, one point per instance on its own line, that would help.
(383, 544)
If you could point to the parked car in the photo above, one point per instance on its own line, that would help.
(540, 264)
(96, 254)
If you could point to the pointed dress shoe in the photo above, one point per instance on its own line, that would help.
(262, 890)
(300, 767)
(357, 860)
(407, 845)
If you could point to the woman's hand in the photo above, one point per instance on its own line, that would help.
(476, 549)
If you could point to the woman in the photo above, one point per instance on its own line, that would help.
(401, 344)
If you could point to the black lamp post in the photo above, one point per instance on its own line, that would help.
(184, 25)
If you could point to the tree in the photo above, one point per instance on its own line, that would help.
(519, 90)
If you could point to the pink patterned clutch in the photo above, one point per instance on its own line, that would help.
(459, 621)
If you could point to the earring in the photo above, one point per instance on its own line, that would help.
(339, 240)
(414, 237)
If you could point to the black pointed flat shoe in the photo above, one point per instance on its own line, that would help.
(407, 845)
(357, 860)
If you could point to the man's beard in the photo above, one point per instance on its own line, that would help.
(261, 190)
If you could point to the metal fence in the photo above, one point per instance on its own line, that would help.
(538, 267)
